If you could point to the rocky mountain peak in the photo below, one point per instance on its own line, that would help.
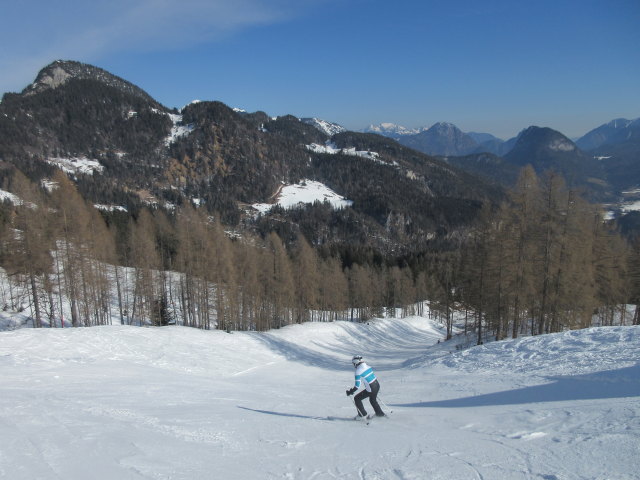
(445, 126)
(544, 138)
(60, 72)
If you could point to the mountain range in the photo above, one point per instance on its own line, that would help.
(606, 160)
(444, 138)
(126, 151)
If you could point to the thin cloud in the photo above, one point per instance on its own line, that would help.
(84, 31)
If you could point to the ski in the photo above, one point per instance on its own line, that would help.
(371, 417)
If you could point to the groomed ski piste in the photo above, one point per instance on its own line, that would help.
(124, 402)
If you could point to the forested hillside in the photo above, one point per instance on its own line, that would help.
(118, 209)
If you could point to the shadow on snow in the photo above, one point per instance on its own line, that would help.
(621, 383)
(392, 346)
(294, 415)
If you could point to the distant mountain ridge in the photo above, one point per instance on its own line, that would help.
(606, 159)
(616, 145)
(392, 130)
(442, 139)
(614, 132)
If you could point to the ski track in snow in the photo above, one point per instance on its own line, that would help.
(179, 403)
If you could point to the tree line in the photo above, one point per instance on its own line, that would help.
(541, 262)
(72, 265)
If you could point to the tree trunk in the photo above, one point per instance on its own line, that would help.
(36, 301)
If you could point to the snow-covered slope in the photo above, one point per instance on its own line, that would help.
(325, 127)
(305, 192)
(180, 403)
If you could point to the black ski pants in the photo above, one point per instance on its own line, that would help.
(372, 395)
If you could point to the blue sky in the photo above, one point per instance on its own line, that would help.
(491, 66)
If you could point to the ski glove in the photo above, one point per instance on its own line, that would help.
(351, 391)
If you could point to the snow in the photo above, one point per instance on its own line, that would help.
(630, 206)
(332, 149)
(139, 403)
(177, 130)
(48, 184)
(10, 197)
(305, 192)
(75, 165)
(387, 128)
(328, 128)
(110, 208)
(561, 145)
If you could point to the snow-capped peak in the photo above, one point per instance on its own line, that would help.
(328, 128)
(391, 129)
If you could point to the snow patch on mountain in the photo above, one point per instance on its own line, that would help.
(328, 128)
(332, 149)
(178, 130)
(110, 208)
(392, 130)
(630, 206)
(304, 193)
(561, 145)
(9, 197)
(76, 165)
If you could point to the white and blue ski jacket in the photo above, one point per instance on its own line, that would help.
(365, 374)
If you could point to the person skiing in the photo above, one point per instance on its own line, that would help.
(364, 373)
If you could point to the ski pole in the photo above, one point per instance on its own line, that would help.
(385, 404)
(354, 404)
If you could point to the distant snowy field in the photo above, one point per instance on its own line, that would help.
(305, 192)
(123, 402)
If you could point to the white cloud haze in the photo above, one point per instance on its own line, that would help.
(33, 34)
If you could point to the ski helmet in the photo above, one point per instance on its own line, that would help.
(356, 360)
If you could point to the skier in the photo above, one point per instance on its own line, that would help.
(365, 374)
